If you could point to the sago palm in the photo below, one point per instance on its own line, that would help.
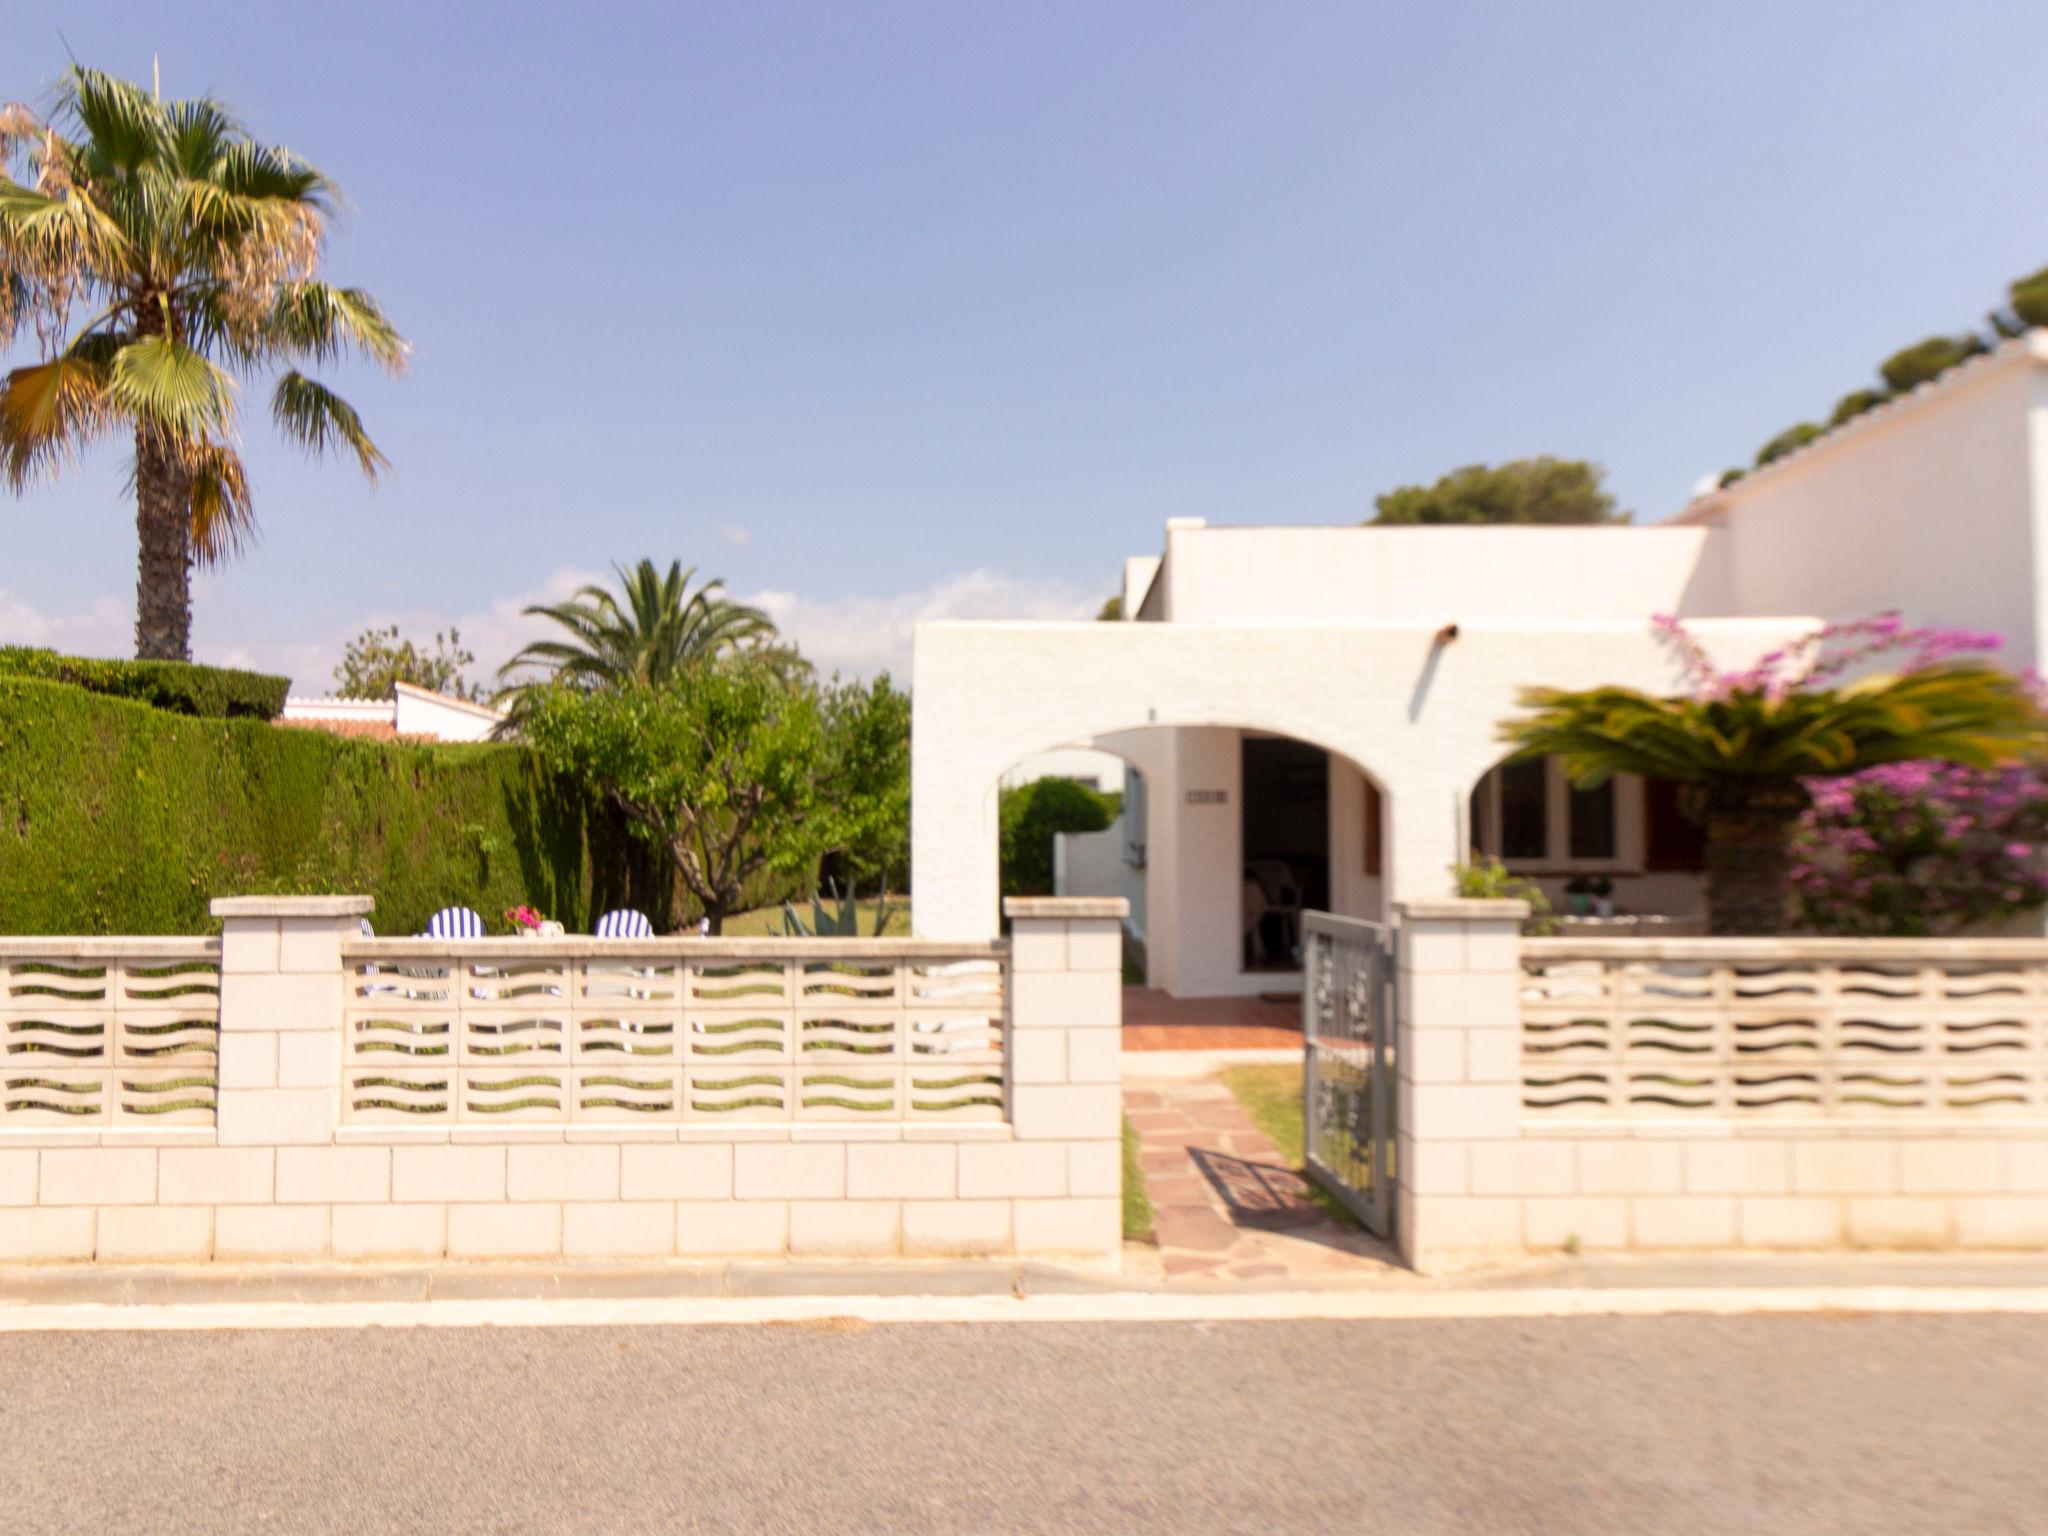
(653, 627)
(159, 255)
(1746, 753)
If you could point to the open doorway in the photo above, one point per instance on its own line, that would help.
(1286, 827)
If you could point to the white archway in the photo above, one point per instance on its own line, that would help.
(1416, 709)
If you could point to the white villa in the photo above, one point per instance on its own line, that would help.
(407, 713)
(1308, 714)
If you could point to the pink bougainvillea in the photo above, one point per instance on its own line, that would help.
(1922, 848)
(1906, 848)
(1822, 657)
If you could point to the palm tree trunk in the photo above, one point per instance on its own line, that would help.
(163, 529)
(1749, 856)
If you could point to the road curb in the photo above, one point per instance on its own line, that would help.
(1097, 1307)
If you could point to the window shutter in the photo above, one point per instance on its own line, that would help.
(1671, 841)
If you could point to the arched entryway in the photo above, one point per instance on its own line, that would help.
(1229, 834)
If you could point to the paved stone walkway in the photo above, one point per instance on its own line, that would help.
(1226, 1205)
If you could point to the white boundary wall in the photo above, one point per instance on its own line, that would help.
(279, 1176)
(1879, 1095)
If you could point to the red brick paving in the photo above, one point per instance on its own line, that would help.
(1155, 1022)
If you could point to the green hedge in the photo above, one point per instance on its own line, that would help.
(217, 693)
(1027, 818)
(117, 818)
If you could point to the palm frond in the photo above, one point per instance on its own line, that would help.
(251, 170)
(316, 418)
(317, 320)
(223, 515)
(201, 131)
(47, 236)
(1964, 712)
(172, 388)
(124, 126)
(48, 412)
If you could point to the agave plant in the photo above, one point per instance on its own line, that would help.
(841, 924)
(161, 255)
(1745, 743)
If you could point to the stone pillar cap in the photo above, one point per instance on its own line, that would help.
(292, 906)
(1462, 907)
(1065, 906)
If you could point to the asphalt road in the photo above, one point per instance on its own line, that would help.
(1699, 1425)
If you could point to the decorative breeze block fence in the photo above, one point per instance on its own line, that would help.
(1714, 1093)
(587, 1031)
(1785, 1029)
(108, 1032)
(574, 1098)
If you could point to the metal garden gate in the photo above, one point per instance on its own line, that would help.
(1347, 1029)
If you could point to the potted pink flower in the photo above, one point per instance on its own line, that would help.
(529, 924)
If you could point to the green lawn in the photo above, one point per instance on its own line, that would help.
(1137, 1204)
(1271, 1095)
(766, 922)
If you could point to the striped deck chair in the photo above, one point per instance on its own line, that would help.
(625, 923)
(454, 923)
(372, 968)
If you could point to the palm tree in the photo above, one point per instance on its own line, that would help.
(653, 627)
(1746, 751)
(190, 250)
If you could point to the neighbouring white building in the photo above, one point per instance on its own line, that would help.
(409, 713)
(1309, 714)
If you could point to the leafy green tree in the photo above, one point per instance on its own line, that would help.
(2030, 298)
(1745, 744)
(729, 771)
(652, 628)
(1788, 441)
(1855, 403)
(378, 658)
(1910, 367)
(1112, 609)
(1027, 818)
(159, 253)
(1539, 490)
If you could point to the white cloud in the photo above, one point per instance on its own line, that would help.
(494, 633)
(105, 627)
(735, 535)
(866, 635)
(854, 635)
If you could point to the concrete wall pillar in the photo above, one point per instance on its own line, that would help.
(1064, 1043)
(281, 996)
(1457, 1048)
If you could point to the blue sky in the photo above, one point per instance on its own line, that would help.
(887, 310)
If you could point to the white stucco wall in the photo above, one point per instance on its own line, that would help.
(420, 712)
(1103, 771)
(1933, 506)
(1421, 719)
(1353, 892)
(1427, 577)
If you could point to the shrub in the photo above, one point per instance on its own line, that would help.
(1855, 403)
(1787, 441)
(215, 693)
(1910, 367)
(115, 818)
(1029, 816)
(2030, 298)
(1487, 879)
(1920, 849)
